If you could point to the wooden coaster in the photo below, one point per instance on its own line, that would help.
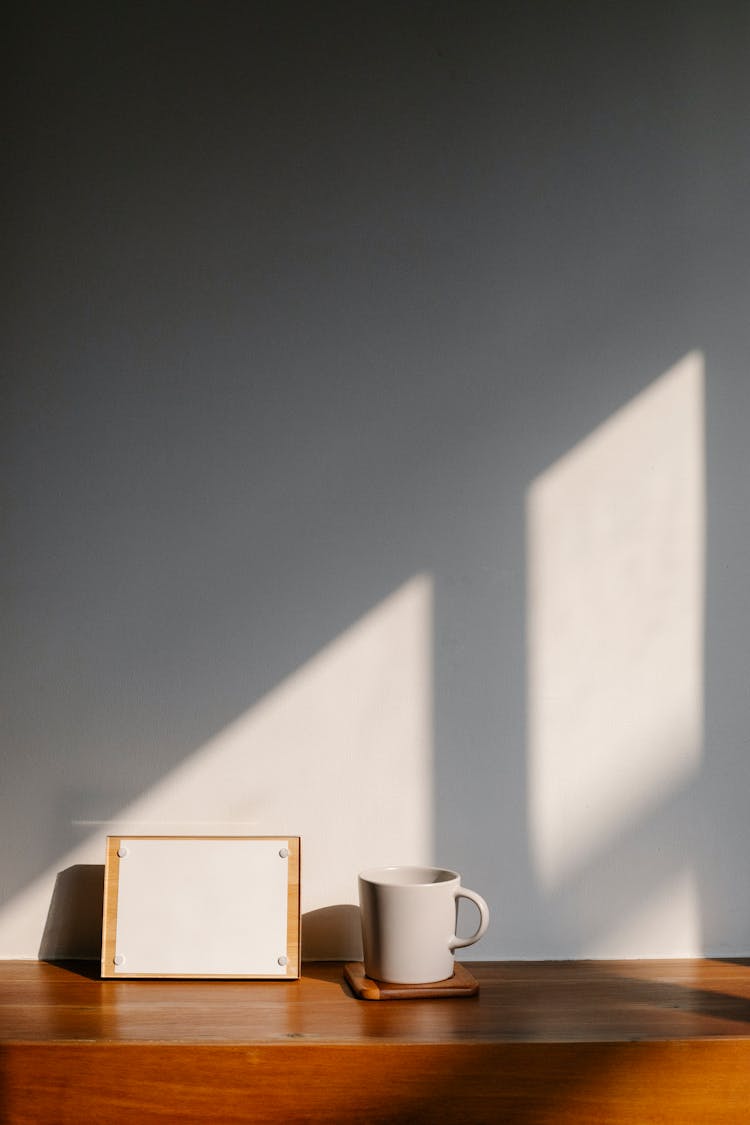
(462, 983)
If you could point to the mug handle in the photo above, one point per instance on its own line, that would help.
(484, 918)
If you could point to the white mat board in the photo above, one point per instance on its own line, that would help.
(202, 907)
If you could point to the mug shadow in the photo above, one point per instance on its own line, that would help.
(332, 933)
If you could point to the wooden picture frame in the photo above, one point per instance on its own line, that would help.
(202, 906)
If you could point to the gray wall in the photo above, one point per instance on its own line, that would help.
(298, 301)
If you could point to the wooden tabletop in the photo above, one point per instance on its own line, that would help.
(579, 1001)
(568, 1043)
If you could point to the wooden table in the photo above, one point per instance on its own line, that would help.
(583, 1042)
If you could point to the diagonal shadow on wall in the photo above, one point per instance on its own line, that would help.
(298, 311)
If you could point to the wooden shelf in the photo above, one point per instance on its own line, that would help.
(584, 1042)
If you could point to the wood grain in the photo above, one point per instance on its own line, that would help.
(293, 908)
(583, 1042)
(109, 917)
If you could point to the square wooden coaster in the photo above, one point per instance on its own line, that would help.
(462, 983)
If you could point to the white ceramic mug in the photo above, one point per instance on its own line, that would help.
(409, 922)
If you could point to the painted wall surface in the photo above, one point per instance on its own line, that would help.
(374, 457)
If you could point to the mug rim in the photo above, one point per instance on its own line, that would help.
(377, 875)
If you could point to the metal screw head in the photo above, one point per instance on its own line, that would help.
(283, 852)
(119, 959)
(283, 960)
(122, 851)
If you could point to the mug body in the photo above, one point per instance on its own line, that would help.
(408, 923)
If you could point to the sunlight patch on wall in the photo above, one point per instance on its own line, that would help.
(340, 753)
(615, 549)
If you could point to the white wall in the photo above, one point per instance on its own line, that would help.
(305, 313)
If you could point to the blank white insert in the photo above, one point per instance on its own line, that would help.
(194, 907)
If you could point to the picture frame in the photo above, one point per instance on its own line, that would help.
(202, 906)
